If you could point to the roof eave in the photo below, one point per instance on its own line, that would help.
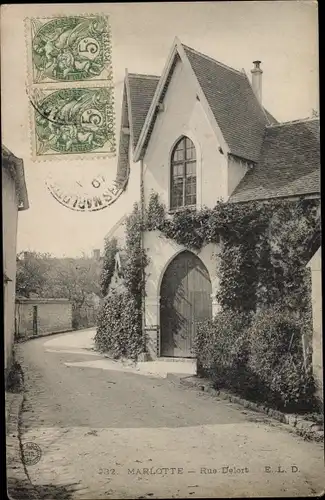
(128, 98)
(294, 197)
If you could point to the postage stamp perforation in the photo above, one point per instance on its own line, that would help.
(96, 155)
(69, 48)
(44, 92)
(73, 65)
(55, 15)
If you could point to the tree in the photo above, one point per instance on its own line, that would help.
(76, 279)
(32, 269)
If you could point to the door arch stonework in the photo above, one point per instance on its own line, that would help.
(185, 299)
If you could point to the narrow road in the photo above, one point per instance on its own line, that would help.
(114, 434)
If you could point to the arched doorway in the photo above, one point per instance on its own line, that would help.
(185, 299)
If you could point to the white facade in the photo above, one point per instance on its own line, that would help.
(183, 115)
(14, 199)
(10, 219)
(315, 265)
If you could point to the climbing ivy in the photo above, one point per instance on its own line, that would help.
(261, 261)
(136, 259)
(108, 268)
(262, 247)
(253, 346)
(119, 323)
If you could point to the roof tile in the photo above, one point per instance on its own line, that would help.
(240, 116)
(289, 164)
(142, 89)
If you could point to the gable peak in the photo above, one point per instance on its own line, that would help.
(211, 59)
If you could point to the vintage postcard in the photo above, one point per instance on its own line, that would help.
(162, 257)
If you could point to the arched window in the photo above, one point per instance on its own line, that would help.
(183, 174)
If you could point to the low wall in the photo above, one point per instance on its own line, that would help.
(37, 317)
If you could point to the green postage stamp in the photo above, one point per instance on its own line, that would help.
(73, 121)
(69, 49)
(70, 86)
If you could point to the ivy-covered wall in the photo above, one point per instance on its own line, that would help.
(260, 260)
(263, 246)
(263, 292)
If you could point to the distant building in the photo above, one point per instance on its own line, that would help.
(96, 254)
(14, 199)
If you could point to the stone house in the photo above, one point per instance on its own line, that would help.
(14, 199)
(197, 134)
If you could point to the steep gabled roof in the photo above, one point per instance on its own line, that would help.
(237, 111)
(228, 96)
(289, 164)
(123, 160)
(141, 91)
(137, 96)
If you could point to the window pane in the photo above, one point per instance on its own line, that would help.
(177, 192)
(179, 151)
(183, 170)
(178, 170)
(190, 150)
(190, 191)
(191, 169)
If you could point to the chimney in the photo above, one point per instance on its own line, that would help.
(257, 80)
(96, 254)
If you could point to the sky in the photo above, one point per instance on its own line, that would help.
(283, 35)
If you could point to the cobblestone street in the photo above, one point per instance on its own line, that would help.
(114, 434)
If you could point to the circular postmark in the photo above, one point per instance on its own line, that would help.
(31, 453)
(87, 193)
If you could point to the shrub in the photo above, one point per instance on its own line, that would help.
(257, 356)
(276, 359)
(119, 331)
(221, 348)
(15, 377)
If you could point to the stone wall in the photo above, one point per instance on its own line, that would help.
(53, 316)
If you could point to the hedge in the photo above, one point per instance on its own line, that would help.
(119, 331)
(258, 356)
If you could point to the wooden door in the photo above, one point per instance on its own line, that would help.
(185, 299)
